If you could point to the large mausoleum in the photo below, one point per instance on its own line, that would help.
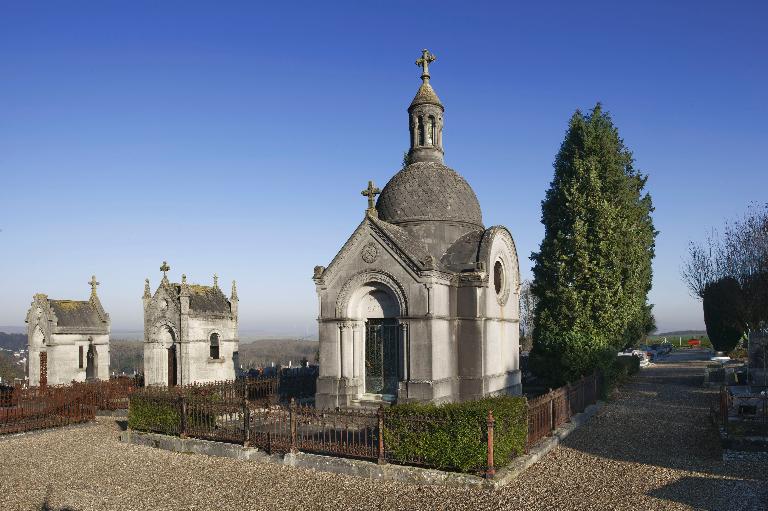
(422, 302)
(68, 340)
(190, 333)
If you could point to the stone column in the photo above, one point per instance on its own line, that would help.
(347, 350)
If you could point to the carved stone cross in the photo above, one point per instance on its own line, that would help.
(165, 268)
(93, 284)
(426, 59)
(215, 280)
(371, 192)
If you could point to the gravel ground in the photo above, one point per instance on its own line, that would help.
(652, 447)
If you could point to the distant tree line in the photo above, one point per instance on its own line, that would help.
(13, 342)
(728, 272)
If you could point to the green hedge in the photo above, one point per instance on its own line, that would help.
(616, 370)
(150, 413)
(453, 436)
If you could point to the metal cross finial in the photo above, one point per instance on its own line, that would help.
(426, 59)
(165, 268)
(93, 284)
(371, 192)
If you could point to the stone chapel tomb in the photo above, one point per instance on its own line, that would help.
(190, 333)
(68, 340)
(422, 302)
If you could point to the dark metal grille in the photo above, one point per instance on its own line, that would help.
(43, 368)
(381, 356)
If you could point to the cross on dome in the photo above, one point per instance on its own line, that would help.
(424, 62)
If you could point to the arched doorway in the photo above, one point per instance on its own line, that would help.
(380, 310)
(172, 366)
(167, 344)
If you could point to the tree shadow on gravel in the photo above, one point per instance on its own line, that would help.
(715, 494)
(45, 506)
(662, 418)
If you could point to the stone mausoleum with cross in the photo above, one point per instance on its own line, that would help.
(190, 332)
(68, 340)
(422, 302)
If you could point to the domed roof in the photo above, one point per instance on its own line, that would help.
(425, 94)
(429, 191)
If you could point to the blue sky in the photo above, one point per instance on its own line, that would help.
(235, 137)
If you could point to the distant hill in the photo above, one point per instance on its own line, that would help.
(683, 333)
(264, 352)
(13, 341)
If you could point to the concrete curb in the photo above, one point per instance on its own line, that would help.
(359, 468)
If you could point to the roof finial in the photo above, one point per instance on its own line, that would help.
(371, 192)
(234, 291)
(165, 269)
(423, 62)
(215, 280)
(147, 292)
(93, 284)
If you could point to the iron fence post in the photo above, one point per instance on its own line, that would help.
(381, 459)
(552, 419)
(183, 410)
(246, 422)
(292, 418)
(490, 470)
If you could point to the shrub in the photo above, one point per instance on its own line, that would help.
(616, 370)
(562, 357)
(154, 413)
(453, 436)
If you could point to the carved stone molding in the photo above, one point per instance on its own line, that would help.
(365, 277)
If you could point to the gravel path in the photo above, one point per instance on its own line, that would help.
(651, 448)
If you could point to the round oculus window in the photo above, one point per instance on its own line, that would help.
(498, 277)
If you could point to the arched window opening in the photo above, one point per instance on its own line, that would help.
(80, 357)
(421, 131)
(431, 138)
(498, 277)
(215, 346)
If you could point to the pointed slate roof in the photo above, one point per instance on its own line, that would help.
(205, 298)
(74, 313)
(410, 246)
(425, 94)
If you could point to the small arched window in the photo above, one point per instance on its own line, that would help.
(421, 131)
(215, 346)
(431, 135)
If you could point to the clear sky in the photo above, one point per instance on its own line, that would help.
(235, 137)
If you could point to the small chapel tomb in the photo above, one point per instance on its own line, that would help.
(422, 302)
(68, 340)
(190, 332)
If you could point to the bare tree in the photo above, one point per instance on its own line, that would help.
(739, 254)
(527, 313)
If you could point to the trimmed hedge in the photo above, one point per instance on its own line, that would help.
(150, 413)
(453, 436)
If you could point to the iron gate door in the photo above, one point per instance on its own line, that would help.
(381, 356)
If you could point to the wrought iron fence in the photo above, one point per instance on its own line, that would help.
(548, 412)
(46, 408)
(217, 412)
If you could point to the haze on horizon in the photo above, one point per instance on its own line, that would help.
(236, 141)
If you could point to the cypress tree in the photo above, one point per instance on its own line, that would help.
(592, 273)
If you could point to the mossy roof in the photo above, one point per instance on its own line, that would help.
(76, 313)
(206, 299)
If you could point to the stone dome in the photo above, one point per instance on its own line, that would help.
(429, 191)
